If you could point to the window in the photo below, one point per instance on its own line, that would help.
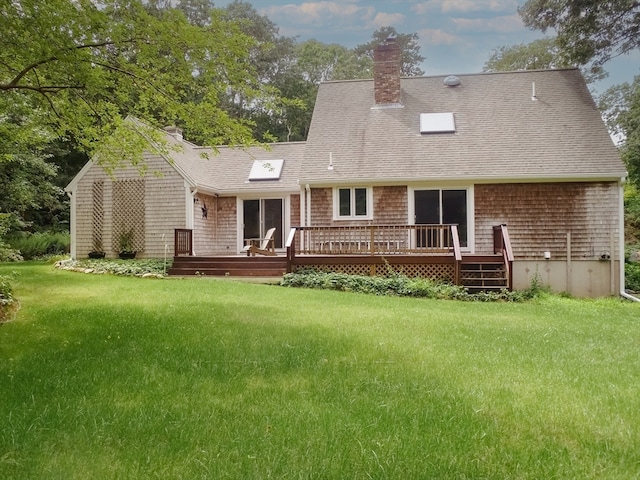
(352, 203)
(437, 123)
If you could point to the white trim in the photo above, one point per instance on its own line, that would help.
(471, 218)
(73, 224)
(374, 182)
(190, 195)
(286, 214)
(336, 203)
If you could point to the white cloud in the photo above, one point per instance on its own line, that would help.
(433, 37)
(319, 14)
(466, 6)
(388, 19)
(502, 24)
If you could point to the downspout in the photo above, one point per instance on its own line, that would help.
(308, 205)
(623, 293)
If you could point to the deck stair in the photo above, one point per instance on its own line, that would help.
(483, 273)
(239, 266)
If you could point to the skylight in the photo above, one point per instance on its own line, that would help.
(437, 123)
(266, 169)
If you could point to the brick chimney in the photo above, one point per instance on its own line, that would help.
(386, 73)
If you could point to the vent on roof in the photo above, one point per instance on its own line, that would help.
(266, 169)
(451, 81)
(437, 123)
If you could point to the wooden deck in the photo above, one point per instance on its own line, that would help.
(372, 256)
(478, 272)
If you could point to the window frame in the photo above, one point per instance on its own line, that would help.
(352, 203)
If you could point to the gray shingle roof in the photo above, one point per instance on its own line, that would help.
(227, 171)
(501, 133)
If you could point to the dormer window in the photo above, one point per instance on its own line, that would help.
(437, 123)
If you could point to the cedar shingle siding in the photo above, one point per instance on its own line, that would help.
(539, 216)
(155, 203)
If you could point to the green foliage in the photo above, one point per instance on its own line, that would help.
(128, 268)
(632, 214)
(409, 47)
(402, 286)
(632, 276)
(7, 300)
(539, 54)
(82, 68)
(587, 30)
(39, 245)
(7, 254)
(125, 241)
(6, 291)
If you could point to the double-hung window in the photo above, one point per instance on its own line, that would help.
(352, 203)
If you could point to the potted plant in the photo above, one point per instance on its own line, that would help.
(97, 251)
(126, 248)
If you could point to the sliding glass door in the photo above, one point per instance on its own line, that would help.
(259, 215)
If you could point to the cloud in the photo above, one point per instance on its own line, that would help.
(466, 6)
(433, 37)
(388, 19)
(501, 24)
(321, 14)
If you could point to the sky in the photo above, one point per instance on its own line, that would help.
(455, 36)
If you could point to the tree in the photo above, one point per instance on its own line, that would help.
(408, 43)
(539, 54)
(621, 107)
(82, 68)
(318, 62)
(588, 29)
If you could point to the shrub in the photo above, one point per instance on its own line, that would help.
(7, 300)
(632, 276)
(39, 245)
(401, 285)
(132, 268)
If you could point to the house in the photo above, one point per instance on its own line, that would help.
(524, 149)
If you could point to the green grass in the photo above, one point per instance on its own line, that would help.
(115, 377)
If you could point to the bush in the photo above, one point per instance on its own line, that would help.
(400, 285)
(7, 300)
(40, 245)
(632, 276)
(133, 268)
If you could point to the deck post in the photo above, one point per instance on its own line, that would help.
(457, 254)
(291, 250)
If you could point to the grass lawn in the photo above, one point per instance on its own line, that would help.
(116, 377)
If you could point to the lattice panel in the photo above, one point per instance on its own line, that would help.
(97, 218)
(129, 212)
(429, 270)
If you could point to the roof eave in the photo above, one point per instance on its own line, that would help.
(595, 177)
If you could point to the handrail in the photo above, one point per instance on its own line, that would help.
(376, 239)
(502, 244)
(507, 242)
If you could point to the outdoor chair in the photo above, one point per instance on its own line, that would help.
(263, 246)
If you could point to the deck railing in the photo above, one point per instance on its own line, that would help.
(502, 245)
(374, 240)
(183, 242)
